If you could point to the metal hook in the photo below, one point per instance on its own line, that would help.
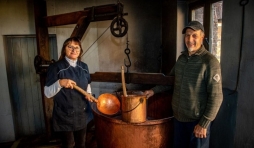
(127, 51)
(244, 2)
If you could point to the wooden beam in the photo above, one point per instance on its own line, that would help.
(96, 13)
(81, 27)
(42, 38)
(64, 19)
(135, 78)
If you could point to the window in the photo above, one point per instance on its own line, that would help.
(216, 24)
(209, 13)
(198, 15)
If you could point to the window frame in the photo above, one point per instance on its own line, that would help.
(207, 4)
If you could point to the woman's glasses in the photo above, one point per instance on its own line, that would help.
(76, 49)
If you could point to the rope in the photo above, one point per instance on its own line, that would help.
(94, 42)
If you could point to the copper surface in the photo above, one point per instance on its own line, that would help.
(134, 108)
(155, 132)
(108, 104)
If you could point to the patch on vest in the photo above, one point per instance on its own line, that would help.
(216, 77)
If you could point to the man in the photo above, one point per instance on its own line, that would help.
(197, 94)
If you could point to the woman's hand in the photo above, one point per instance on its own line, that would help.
(148, 93)
(67, 83)
(90, 98)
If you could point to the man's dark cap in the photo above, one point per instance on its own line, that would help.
(194, 25)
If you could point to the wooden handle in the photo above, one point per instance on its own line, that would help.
(123, 82)
(85, 93)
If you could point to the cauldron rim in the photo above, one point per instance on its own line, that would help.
(111, 119)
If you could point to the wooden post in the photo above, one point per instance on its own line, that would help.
(42, 38)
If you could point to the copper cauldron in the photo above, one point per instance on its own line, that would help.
(155, 132)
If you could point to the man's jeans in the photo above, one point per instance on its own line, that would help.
(185, 138)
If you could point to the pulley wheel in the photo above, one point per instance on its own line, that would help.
(119, 27)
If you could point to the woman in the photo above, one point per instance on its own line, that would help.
(71, 108)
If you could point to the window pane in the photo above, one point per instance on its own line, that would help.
(216, 25)
(198, 15)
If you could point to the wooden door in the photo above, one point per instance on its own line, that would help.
(24, 83)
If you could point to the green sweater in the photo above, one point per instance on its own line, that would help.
(197, 87)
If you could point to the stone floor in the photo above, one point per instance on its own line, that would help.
(40, 141)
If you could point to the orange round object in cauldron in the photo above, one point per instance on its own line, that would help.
(108, 104)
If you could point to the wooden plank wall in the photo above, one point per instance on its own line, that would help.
(24, 84)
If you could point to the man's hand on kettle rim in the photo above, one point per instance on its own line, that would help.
(148, 93)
